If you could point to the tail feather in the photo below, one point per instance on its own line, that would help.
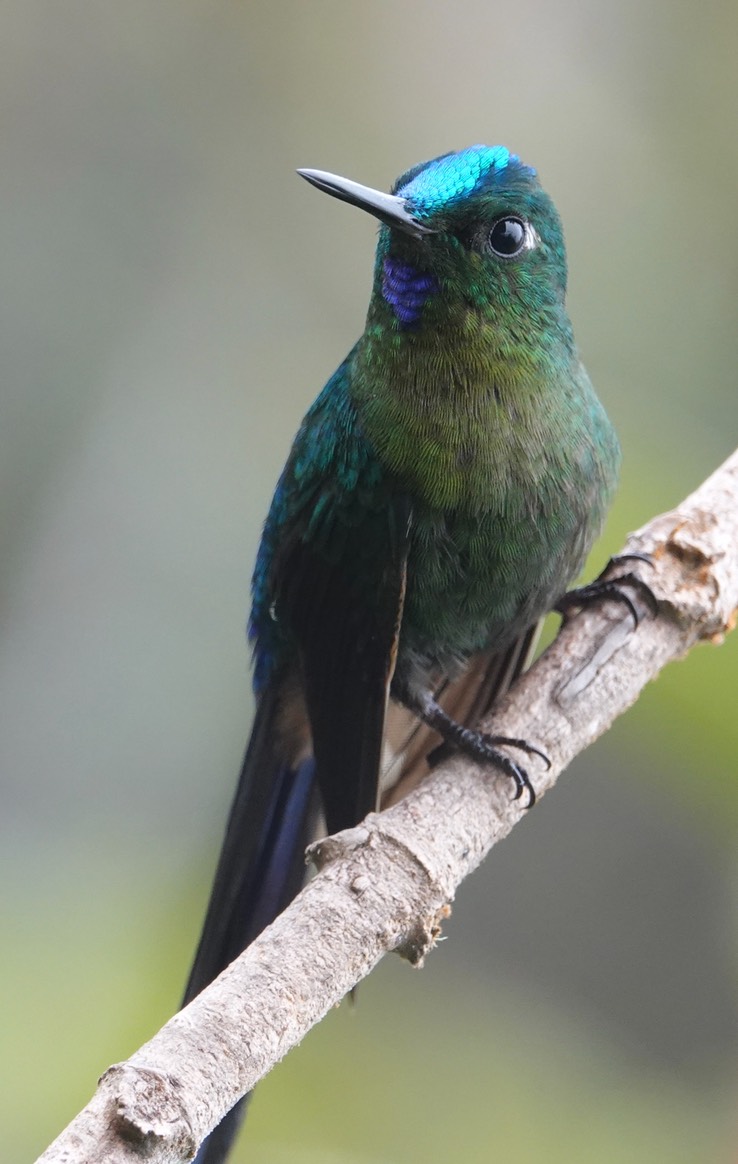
(273, 818)
(260, 870)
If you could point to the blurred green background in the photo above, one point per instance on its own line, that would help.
(173, 298)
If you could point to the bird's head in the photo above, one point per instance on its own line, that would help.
(470, 232)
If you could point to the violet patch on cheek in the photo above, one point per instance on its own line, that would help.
(406, 290)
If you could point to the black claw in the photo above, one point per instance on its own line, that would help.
(522, 782)
(612, 588)
(522, 745)
(630, 579)
(488, 752)
(636, 556)
(484, 748)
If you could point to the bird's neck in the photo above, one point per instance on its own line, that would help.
(459, 404)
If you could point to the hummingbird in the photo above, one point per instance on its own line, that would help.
(439, 498)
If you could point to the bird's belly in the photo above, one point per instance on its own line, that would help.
(476, 582)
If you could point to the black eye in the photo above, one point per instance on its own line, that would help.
(508, 237)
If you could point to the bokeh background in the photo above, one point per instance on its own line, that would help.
(173, 298)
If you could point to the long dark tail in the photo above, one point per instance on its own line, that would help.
(260, 870)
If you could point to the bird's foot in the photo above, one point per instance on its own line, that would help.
(479, 746)
(485, 749)
(613, 587)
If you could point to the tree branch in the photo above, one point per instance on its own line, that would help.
(386, 885)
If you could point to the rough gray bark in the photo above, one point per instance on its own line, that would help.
(387, 884)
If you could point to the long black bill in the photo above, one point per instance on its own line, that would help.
(387, 208)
